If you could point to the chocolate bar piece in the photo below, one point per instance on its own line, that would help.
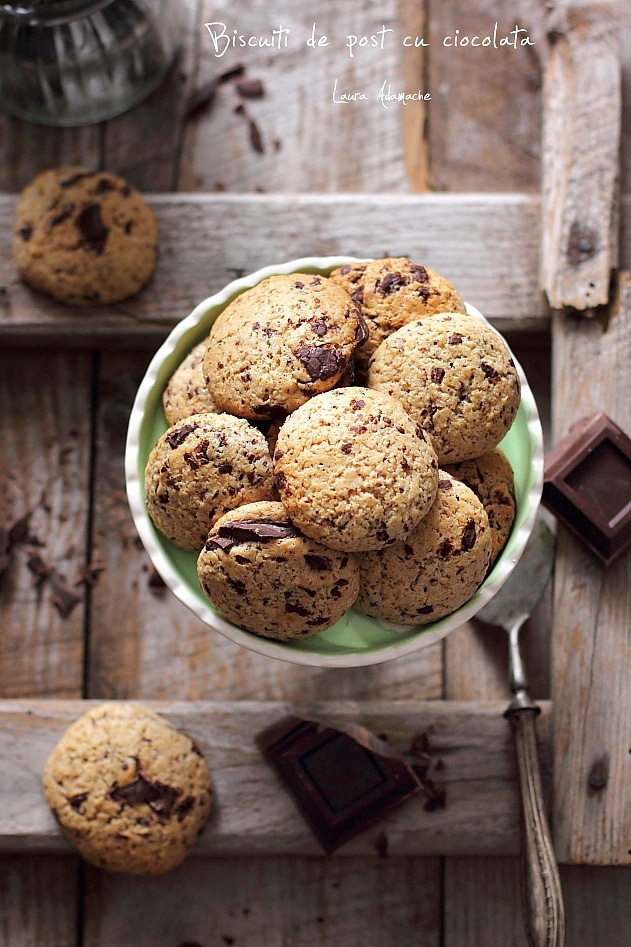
(341, 787)
(587, 485)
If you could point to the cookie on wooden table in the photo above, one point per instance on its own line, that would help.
(186, 392)
(84, 237)
(437, 568)
(200, 468)
(129, 791)
(391, 292)
(353, 470)
(455, 376)
(280, 343)
(263, 574)
(491, 479)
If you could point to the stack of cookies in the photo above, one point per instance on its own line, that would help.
(333, 444)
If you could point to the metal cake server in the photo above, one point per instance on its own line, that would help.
(509, 609)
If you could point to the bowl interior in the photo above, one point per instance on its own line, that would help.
(356, 639)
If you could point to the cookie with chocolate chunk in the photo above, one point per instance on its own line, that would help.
(437, 568)
(491, 479)
(263, 574)
(455, 376)
(391, 292)
(200, 468)
(186, 392)
(353, 470)
(280, 343)
(84, 237)
(130, 792)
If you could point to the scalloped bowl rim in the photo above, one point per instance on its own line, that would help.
(412, 638)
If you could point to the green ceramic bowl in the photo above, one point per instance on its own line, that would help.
(356, 639)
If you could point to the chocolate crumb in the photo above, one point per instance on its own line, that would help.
(64, 599)
(39, 568)
(250, 88)
(155, 582)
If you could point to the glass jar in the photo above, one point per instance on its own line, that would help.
(76, 62)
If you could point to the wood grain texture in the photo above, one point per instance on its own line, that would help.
(591, 645)
(44, 471)
(254, 816)
(486, 244)
(271, 902)
(484, 129)
(581, 144)
(149, 645)
(39, 900)
(309, 142)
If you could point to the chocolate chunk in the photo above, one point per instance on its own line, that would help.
(18, 533)
(299, 285)
(177, 437)
(491, 373)
(156, 795)
(320, 362)
(26, 232)
(437, 375)
(39, 568)
(104, 186)
(128, 227)
(587, 485)
(341, 787)
(77, 801)
(445, 484)
(263, 531)
(345, 270)
(469, 536)
(362, 331)
(224, 468)
(391, 283)
(64, 599)
(320, 328)
(358, 296)
(92, 229)
(317, 563)
(455, 339)
(419, 273)
(346, 448)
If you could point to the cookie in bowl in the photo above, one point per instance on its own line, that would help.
(262, 573)
(186, 392)
(280, 343)
(84, 237)
(200, 468)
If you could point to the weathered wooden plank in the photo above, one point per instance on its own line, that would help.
(485, 114)
(29, 149)
(581, 146)
(269, 902)
(486, 244)
(254, 815)
(143, 643)
(308, 141)
(591, 646)
(39, 900)
(44, 471)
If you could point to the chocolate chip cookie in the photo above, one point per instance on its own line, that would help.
(353, 470)
(279, 343)
(186, 392)
(455, 376)
(491, 479)
(129, 791)
(84, 237)
(263, 574)
(437, 568)
(392, 292)
(200, 468)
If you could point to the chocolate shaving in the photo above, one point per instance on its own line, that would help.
(18, 533)
(89, 574)
(64, 599)
(320, 362)
(250, 88)
(204, 95)
(40, 569)
(256, 139)
(92, 229)
(155, 582)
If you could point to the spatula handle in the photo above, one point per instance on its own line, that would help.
(540, 884)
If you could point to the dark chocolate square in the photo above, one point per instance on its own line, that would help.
(587, 485)
(341, 787)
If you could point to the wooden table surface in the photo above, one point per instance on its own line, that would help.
(67, 380)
